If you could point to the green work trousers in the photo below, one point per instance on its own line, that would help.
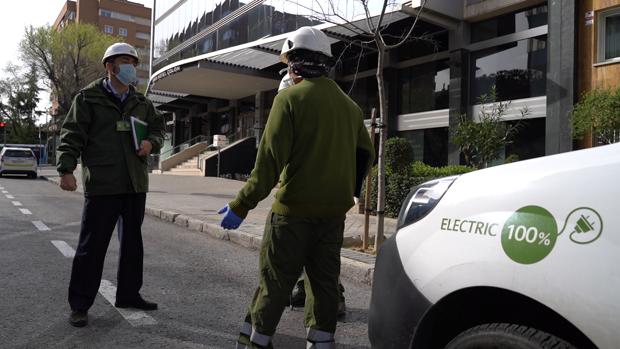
(289, 245)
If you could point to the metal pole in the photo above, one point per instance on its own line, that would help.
(218, 160)
(367, 209)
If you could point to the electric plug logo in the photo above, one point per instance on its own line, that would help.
(584, 225)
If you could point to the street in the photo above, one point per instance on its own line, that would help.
(203, 285)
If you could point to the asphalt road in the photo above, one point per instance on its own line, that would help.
(202, 285)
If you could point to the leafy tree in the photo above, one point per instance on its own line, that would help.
(19, 95)
(481, 141)
(67, 59)
(598, 112)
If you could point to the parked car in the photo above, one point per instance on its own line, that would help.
(523, 255)
(18, 161)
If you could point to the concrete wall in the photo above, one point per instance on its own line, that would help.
(476, 10)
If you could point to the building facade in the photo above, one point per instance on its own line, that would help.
(129, 20)
(215, 66)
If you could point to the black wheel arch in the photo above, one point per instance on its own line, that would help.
(469, 307)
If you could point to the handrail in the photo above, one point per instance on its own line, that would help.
(190, 142)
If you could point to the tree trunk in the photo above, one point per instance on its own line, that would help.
(382, 139)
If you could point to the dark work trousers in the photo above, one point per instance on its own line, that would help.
(99, 217)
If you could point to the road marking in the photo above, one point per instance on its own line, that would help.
(25, 211)
(10, 196)
(108, 291)
(16, 203)
(64, 248)
(134, 317)
(41, 226)
(4, 192)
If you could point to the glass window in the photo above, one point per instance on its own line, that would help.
(143, 36)
(18, 154)
(122, 31)
(424, 87)
(105, 13)
(429, 145)
(609, 35)
(108, 29)
(364, 93)
(509, 24)
(518, 70)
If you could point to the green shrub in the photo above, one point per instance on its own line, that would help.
(398, 185)
(398, 155)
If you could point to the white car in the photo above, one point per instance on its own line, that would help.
(523, 255)
(18, 161)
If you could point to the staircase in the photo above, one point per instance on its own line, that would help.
(187, 168)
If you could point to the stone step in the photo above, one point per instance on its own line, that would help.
(184, 172)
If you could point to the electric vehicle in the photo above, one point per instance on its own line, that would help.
(522, 255)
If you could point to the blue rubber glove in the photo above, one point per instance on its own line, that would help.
(230, 220)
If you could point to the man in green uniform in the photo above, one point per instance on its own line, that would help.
(316, 144)
(98, 130)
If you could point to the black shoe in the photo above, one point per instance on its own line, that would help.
(342, 309)
(298, 296)
(78, 318)
(138, 303)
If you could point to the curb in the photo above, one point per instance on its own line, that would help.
(356, 269)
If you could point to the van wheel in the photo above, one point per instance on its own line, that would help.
(33, 175)
(506, 336)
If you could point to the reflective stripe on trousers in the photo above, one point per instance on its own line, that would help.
(255, 337)
(318, 339)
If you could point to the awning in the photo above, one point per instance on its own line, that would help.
(239, 71)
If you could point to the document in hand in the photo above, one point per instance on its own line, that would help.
(139, 131)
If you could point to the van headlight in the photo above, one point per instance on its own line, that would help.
(422, 199)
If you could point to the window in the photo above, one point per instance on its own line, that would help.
(122, 31)
(609, 36)
(143, 36)
(424, 87)
(429, 145)
(517, 69)
(509, 24)
(108, 29)
(105, 13)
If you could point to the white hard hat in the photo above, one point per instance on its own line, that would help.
(120, 48)
(307, 38)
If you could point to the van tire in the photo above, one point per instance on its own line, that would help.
(506, 336)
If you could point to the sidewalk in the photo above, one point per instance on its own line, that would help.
(193, 202)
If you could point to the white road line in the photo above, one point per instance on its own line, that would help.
(25, 211)
(134, 317)
(108, 291)
(17, 203)
(4, 192)
(64, 248)
(41, 226)
(10, 196)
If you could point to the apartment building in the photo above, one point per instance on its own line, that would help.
(129, 20)
(216, 66)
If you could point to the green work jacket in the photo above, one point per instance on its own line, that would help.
(90, 131)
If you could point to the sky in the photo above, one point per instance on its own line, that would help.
(16, 15)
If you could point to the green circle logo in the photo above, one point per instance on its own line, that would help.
(529, 235)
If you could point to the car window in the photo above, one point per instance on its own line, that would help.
(19, 154)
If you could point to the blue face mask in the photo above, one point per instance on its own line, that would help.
(126, 74)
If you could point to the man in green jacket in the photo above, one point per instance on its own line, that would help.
(98, 129)
(316, 145)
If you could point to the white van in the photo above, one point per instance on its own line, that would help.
(523, 255)
(18, 161)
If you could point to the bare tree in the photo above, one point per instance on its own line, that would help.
(373, 31)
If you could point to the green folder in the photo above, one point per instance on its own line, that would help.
(139, 131)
